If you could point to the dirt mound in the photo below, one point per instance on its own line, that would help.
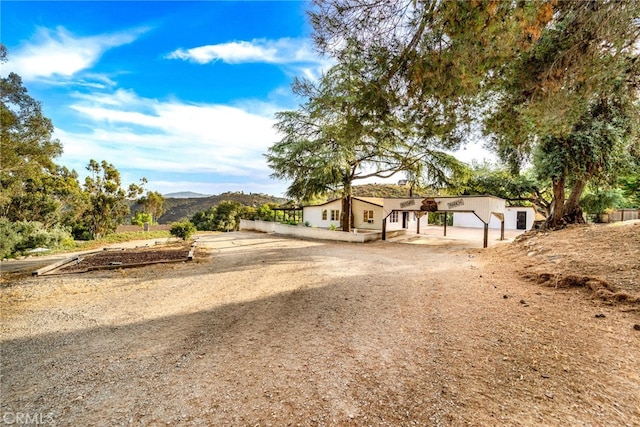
(604, 259)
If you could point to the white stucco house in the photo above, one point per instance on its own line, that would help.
(376, 213)
(515, 218)
(400, 215)
(369, 213)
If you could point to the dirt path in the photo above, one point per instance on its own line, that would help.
(274, 331)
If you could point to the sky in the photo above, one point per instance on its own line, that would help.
(181, 93)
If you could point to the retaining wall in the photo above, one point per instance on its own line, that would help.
(310, 232)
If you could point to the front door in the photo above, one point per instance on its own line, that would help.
(521, 220)
(405, 219)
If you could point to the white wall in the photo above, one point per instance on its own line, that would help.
(313, 214)
(358, 209)
(468, 219)
(307, 232)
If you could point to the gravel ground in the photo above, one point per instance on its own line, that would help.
(264, 330)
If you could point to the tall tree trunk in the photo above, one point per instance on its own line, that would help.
(557, 206)
(345, 216)
(572, 213)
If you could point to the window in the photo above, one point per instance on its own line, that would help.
(335, 215)
(393, 217)
(324, 214)
(368, 217)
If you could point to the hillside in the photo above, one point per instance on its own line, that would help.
(377, 190)
(177, 209)
(184, 195)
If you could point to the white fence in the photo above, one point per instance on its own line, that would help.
(308, 232)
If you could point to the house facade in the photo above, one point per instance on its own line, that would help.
(368, 213)
(378, 214)
(515, 218)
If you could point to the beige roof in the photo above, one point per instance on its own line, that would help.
(373, 200)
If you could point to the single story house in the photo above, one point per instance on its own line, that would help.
(389, 214)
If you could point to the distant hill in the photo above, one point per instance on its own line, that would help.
(377, 190)
(177, 209)
(185, 195)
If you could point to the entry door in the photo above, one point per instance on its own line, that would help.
(405, 219)
(521, 220)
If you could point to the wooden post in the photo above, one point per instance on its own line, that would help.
(502, 230)
(418, 226)
(486, 236)
(384, 229)
(445, 224)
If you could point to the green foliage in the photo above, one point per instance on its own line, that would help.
(107, 200)
(36, 189)
(348, 130)
(183, 229)
(28, 173)
(17, 238)
(224, 217)
(140, 218)
(630, 187)
(153, 205)
(265, 213)
(600, 200)
(543, 76)
(205, 220)
(123, 237)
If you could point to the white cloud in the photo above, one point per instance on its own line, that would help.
(58, 52)
(172, 137)
(281, 51)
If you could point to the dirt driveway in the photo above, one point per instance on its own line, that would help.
(274, 331)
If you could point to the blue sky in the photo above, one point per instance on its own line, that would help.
(182, 93)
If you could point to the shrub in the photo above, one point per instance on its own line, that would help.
(17, 238)
(183, 230)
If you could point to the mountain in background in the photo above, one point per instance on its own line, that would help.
(181, 208)
(184, 195)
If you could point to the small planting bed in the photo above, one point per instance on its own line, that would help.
(120, 258)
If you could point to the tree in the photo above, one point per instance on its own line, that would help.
(571, 99)
(630, 186)
(515, 189)
(348, 130)
(28, 173)
(140, 218)
(204, 220)
(599, 147)
(228, 214)
(223, 217)
(152, 204)
(535, 69)
(107, 200)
